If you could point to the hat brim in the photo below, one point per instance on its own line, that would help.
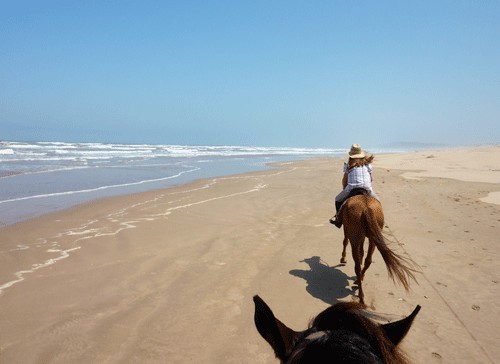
(358, 155)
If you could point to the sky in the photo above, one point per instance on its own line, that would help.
(256, 73)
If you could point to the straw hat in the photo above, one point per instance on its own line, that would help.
(356, 151)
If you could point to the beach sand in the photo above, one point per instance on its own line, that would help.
(168, 276)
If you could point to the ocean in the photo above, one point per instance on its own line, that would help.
(42, 177)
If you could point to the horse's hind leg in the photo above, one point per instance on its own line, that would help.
(359, 282)
(357, 255)
(345, 242)
(361, 294)
(368, 259)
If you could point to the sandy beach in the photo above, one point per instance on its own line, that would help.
(168, 276)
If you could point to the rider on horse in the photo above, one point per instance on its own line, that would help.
(357, 179)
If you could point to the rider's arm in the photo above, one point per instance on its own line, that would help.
(344, 180)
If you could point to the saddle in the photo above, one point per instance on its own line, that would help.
(339, 205)
(354, 192)
(358, 191)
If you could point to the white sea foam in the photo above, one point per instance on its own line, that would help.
(99, 149)
(8, 151)
(20, 275)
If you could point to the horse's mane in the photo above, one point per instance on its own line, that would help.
(342, 334)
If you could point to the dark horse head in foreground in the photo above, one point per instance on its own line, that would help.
(339, 334)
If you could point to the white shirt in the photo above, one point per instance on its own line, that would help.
(359, 176)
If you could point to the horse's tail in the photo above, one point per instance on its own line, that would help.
(398, 266)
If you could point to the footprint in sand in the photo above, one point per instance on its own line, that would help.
(436, 355)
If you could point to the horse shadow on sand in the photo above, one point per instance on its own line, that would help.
(326, 283)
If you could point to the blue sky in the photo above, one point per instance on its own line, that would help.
(264, 73)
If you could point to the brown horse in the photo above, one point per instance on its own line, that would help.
(362, 217)
(339, 334)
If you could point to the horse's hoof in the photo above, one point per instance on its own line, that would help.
(343, 261)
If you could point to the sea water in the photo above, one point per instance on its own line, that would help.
(41, 177)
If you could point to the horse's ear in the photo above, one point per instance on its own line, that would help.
(397, 330)
(276, 333)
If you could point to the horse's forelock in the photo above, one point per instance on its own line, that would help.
(339, 315)
(335, 346)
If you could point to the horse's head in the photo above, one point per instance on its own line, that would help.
(339, 334)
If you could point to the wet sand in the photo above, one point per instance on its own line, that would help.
(168, 276)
